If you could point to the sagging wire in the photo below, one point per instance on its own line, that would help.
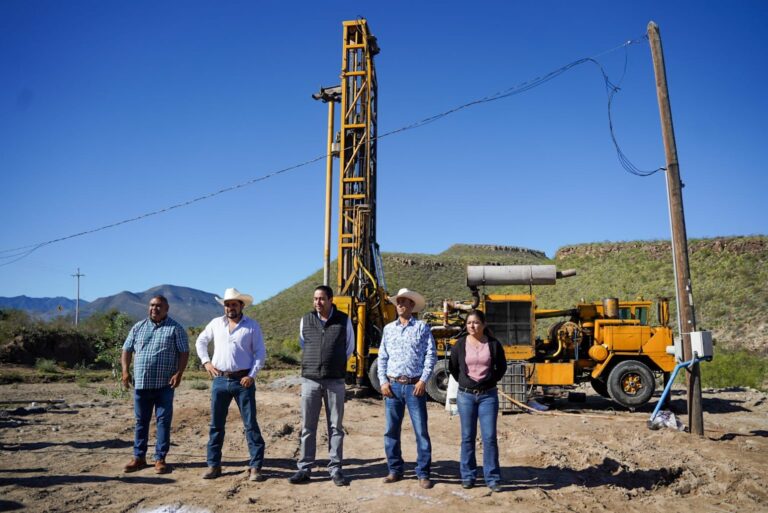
(16, 254)
(611, 90)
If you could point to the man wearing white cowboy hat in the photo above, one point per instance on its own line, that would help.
(238, 355)
(406, 360)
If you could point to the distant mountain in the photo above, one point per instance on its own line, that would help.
(41, 306)
(190, 307)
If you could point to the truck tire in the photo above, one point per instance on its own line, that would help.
(437, 384)
(600, 386)
(631, 384)
(373, 375)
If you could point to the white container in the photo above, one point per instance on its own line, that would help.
(701, 344)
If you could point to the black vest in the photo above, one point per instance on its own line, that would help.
(325, 347)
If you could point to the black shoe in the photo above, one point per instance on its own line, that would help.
(467, 484)
(302, 476)
(338, 479)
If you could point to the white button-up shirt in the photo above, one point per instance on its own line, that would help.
(243, 348)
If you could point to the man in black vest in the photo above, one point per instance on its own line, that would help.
(327, 341)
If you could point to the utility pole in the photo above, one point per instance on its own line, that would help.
(686, 317)
(77, 302)
(331, 96)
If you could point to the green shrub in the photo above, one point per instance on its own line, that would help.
(116, 391)
(44, 365)
(291, 345)
(735, 369)
(110, 345)
(198, 384)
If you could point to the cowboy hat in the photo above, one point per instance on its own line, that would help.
(235, 295)
(413, 296)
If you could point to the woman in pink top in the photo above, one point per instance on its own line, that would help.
(477, 363)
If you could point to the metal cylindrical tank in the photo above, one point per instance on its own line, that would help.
(611, 308)
(511, 275)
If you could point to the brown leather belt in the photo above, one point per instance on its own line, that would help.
(238, 374)
(404, 380)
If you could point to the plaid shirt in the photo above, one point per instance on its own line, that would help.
(407, 351)
(157, 348)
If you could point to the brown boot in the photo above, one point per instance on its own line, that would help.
(161, 467)
(212, 473)
(135, 464)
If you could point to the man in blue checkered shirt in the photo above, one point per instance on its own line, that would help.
(162, 351)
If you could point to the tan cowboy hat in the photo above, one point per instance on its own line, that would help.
(413, 296)
(235, 295)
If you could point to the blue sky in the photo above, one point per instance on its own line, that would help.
(109, 110)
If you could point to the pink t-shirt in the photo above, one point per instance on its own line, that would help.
(478, 361)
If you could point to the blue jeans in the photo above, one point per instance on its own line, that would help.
(144, 402)
(394, 408)
(222, 392)
(485, 408)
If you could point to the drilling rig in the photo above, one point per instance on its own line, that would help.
(360, 286)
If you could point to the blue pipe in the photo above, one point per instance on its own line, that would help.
(669, 385)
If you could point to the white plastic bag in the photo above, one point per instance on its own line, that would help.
(666, 418)
(451, 395)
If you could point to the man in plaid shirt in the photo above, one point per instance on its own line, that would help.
(162, 351)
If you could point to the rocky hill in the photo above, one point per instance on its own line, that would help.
(729, 277)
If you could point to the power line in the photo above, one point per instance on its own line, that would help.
(612, 89)
(16, 254)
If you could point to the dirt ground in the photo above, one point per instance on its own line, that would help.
(69, 457)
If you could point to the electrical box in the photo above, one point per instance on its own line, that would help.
(676, 349)
(701, 344)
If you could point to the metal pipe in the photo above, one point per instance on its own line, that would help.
(515, 275)
(328, 190)
(668, 388)
(360, 344)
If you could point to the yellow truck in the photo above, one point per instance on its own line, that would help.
(609, 343)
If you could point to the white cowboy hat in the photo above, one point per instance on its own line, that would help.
(235, 295)
(413, 296)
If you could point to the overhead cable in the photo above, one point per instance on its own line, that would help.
(13, 255)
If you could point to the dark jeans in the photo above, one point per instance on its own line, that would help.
(144, 402)
(483, 408)
(222, 393)
(394, 408)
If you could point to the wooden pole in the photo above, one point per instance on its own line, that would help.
(686, 317)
